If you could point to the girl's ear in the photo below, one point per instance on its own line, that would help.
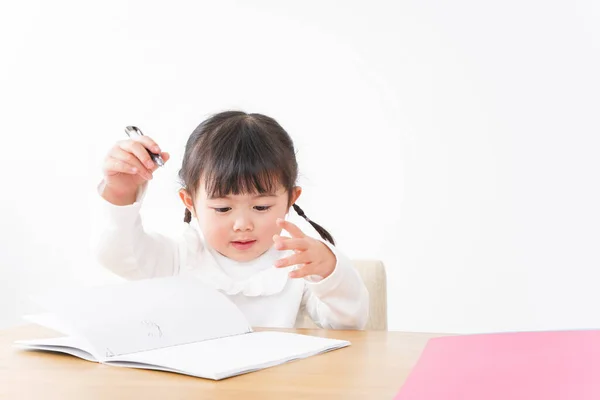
(296, 192)
(187, 200)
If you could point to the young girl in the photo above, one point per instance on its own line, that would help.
(239, 181)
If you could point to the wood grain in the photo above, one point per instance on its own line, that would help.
(373, 367)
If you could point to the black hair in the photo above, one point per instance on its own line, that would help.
(238, 153)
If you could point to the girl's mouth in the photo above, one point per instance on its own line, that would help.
(243, 244)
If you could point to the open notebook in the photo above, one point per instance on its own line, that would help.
(170, 324)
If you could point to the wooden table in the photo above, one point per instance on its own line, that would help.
(373, 367)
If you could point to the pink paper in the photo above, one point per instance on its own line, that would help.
(508, 366)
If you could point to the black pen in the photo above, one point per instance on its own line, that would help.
(132, 131)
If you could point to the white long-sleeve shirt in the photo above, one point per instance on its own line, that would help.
(265, 294)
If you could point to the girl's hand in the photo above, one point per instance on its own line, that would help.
(313, 257)
(128, 165)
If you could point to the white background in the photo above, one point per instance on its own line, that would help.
(456, 141)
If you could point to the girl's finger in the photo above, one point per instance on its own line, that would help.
(137, 149)
(148, 143)
(291, 228)
(294, 259)
(113, 166)
(292, 244)
(132, 160)
(302, 271)
(278, 239)
(165, 156)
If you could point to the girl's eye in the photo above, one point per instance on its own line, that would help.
(221, 210)
(262, 208)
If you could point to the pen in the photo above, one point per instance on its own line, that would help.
(132, 131)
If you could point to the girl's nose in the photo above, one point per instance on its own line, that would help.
(242, 224)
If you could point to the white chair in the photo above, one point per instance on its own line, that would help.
(373, 275)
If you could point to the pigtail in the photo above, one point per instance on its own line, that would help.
(188, 216)
(322, 231)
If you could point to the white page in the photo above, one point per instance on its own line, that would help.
(67, 344)
(220, 358)
(147, 314)
(50, 321)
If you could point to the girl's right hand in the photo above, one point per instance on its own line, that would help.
(127, 166)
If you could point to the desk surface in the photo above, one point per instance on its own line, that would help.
(373, 367)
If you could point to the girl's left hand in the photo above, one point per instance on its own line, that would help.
(312, 256)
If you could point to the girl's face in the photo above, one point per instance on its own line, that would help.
(240, 227)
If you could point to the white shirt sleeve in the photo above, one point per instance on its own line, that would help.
(340, 301)
(121, 245)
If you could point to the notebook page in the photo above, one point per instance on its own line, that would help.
(221, 358)
(147, 314)
(67, 344)
(50, 321)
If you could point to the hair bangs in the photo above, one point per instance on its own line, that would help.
(222, 182)
(244, 160)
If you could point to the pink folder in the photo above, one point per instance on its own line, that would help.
(561, 365)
